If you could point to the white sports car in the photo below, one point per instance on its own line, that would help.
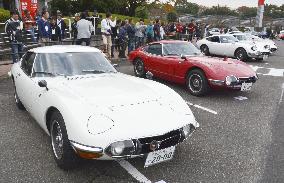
(92, 111)
(257, 40)
(228, 45)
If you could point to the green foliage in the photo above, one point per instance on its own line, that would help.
(185, 7)
(141, 12)
(4, 15)
(247, 12)
(220, 10)
(171, 16)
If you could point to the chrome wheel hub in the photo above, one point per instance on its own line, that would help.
(195, 83)
(56, 140)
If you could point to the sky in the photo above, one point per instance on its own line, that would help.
(235, 3)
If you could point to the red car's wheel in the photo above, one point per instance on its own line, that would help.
(197, 83)
(139, 68)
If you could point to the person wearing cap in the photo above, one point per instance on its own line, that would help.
(13, 28)
(74, 27)
(106, 25)
(61, 24)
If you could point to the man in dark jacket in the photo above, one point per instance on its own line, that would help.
(157, 35)
(61, 24)
(130, 28)
(122, 35)
(55, 31)
(13, 28)
(44, 28)
(74, 27)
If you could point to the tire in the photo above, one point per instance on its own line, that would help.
(139, 69)
(196, 83)
(18, 102)
(204, 49)
(241, 54)
(62, 150)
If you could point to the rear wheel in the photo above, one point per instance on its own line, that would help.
(197, 83)
(18, 102)
(63, 152)
(241, 54)
(205, 50)
(139, 68)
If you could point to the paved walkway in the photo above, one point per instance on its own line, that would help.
(4, 69)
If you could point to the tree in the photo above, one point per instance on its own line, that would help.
(172, 17)
(141, 12)
(247, 12)
(185, 7)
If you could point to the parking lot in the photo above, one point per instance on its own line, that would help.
(240, 139)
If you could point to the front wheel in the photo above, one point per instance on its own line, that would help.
(139, 69)
(241, 54)
(205, 50)
(197, 83)
(18, 102)
(63, 153)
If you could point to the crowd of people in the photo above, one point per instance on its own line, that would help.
(118, 35)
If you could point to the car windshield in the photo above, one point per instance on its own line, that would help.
(228, 39)
(70, 64)
(183, 48)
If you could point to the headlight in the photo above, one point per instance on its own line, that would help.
(122, 148)
(231, 80)
(254, 48)
(187, 130)
(267, 47)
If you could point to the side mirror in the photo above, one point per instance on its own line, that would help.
(115, 65)
(183, 57)
(43, 83)
(149, 75)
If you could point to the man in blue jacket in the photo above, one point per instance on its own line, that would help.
(44, 29)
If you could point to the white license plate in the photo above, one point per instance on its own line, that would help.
(159, 156)
(246, 86)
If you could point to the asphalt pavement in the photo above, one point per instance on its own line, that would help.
(238, 140)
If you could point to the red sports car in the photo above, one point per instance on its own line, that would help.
(181, 62)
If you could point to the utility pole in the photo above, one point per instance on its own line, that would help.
(260, 11)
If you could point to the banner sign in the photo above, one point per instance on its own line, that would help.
(30, 5)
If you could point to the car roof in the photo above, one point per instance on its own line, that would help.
(64, 49)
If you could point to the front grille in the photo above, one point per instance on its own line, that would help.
(247, 80)
(265, 53)
(167, 140)
(273, 49)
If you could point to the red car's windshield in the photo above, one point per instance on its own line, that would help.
(182, 48)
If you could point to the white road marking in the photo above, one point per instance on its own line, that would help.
(240, 98)
(282, 93)
(200, 107)
(271, 71)
(134, 172)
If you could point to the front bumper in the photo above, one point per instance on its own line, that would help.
(258, 54)
(236, 85)
(142, 146)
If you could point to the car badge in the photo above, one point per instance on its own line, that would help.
(154, 145)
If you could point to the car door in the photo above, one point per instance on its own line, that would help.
(156, 62)
(23, 81)
(213, 45)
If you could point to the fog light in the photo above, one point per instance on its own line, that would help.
(117, 148)
(121, 148)
(231, 80)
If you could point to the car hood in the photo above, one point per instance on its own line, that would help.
(220, 68)
(110, 89)
(126, 107)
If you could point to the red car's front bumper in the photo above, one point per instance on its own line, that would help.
(221, 84)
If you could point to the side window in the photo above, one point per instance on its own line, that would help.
(155, 49)
(215, 39)
(224, 40)
(27, 63)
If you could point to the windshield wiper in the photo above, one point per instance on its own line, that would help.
(94, 71)
(172, 54)
(44, 72)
